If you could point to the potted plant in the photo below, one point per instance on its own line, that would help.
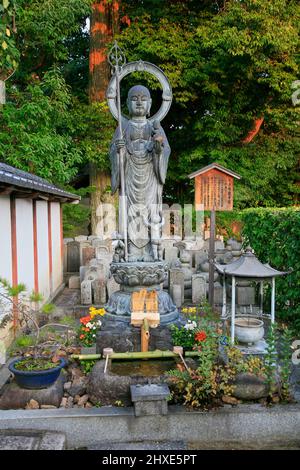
(88, 329)
(36, 372)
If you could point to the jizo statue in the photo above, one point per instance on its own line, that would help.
(146, 159)
(139, 156)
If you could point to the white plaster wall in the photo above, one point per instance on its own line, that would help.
(56, 246)
(24, 217)
(5, 239)
(42, 248)
(5, 249)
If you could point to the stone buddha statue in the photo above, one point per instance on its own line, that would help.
(146, 159)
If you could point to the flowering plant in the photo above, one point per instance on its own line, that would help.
(89, 326)
(184, 336)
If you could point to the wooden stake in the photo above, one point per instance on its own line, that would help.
(211, 257)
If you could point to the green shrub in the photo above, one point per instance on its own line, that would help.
(274, 236)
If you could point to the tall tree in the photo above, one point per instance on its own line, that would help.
(103, 26)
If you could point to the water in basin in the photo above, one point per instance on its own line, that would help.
(143, 368)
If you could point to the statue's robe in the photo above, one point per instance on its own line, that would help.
(145, 173)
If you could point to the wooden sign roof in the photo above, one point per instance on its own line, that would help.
(214, 166)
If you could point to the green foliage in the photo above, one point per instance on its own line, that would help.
(34, 134)
(35, 297)
(285, 357)
(274, 236)
(184, 337)
(229, 63)
(87, 366)
(35, 364)
(271, 358)
(9, 54)
(48, 308)
(24, 341)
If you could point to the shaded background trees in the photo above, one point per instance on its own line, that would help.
(231, 65)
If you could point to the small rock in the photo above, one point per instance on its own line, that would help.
(78, 386)
(61, 353)
(88, 405)
(48, 407)
(76, 398)
(275, 399)
(55, 358)
(229, 400)
(76, 373)
(83, 400)
(70, 402)
(67, 386)
(64, 403)
(32, 405)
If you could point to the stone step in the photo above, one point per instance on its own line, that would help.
(15, 439)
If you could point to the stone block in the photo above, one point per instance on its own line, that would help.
(177, 295)
(198, 288)
(88, 253)
(112, 286)
(81, 238)
(86, 292)
(93, 237)
(245, 295)
(150, 399)
(176, 277)
(74, 282)
(82, 271)
(249, 386)
(14, 397)
(68, 240)
(82, 246)
(170, 254)
(100, 251)
(73, 257)
(99, 291)
(218, 293)
(16, 439)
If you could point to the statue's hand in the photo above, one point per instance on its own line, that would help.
(120, 143)
(158, 143)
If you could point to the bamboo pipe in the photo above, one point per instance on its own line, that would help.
(135, 355)
(145, 335)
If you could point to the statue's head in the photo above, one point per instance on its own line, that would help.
(139, 101)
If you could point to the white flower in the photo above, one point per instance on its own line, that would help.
(99, 323)
(191, 325)
(94, 336)
(89, 325)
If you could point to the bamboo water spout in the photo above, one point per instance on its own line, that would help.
(145, 314)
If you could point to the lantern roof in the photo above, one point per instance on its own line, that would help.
(214, 166)
(248, 266)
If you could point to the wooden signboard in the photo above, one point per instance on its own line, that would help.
(214, 187)
(213, 192)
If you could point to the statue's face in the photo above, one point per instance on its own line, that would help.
(139, 104)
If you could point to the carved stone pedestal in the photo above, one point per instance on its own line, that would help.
(134, 277)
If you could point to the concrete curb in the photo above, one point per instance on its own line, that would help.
(87, 427)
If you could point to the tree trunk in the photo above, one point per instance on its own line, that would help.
(104, 24)
(2, 92)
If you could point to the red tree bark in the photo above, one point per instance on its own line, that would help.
(251, 134)
(103, 26)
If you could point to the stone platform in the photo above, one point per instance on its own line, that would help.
(117, 333)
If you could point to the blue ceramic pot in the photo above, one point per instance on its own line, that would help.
(36, 379)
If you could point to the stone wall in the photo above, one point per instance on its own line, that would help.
(87, 260)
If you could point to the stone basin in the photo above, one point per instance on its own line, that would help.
(114, 385)
(248, 330)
